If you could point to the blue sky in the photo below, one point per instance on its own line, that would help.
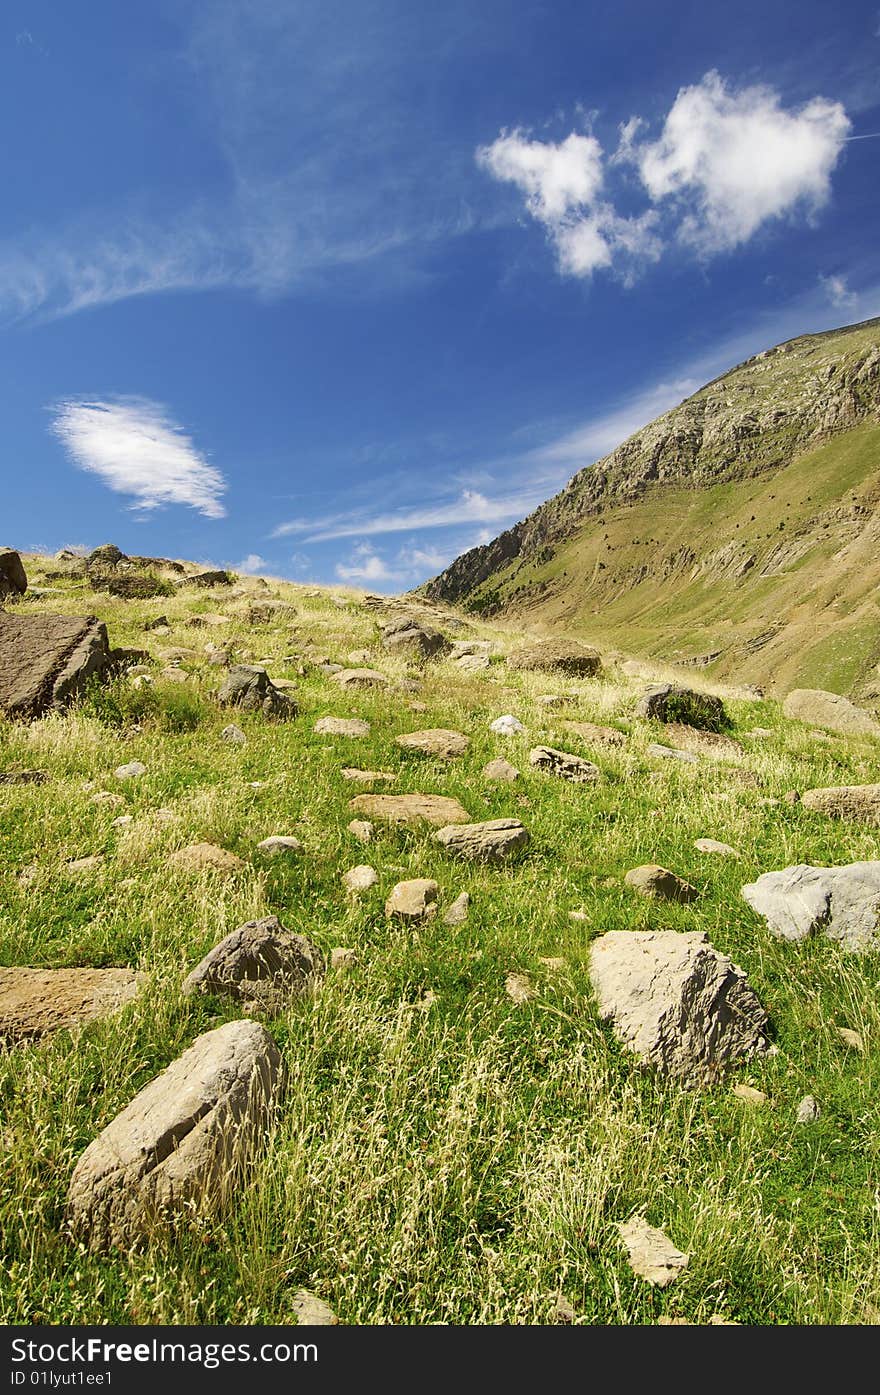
(336, 289)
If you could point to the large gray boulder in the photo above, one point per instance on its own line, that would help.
(831, 711)
(261, 965)
(675, 1001)
(251, 688)
(492, 841)
(667, 702)
(13, 578)
(182, 1143)
(840, 902)
(46, 660)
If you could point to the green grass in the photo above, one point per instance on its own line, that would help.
(443, 1156)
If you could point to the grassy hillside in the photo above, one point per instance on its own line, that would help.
(738, 532)
(445, 1154)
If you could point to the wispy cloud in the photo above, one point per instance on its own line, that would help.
(469, 507)
(838, 292)
(134, 446)
(366, 564)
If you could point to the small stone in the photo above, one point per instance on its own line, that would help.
(362, 829)
(417, 705)
(107, 797)
(368, 777)
(457, 913)
(413, 900)
(358, 879)
(501, 770)
(492, 841)
(342, 958)
(851, 1038)
(174, 675)
(279, 844)
(579, 915)
(234, 735)
(131, 771)
(550, 699)
(123, 821)
(791, 797)
(711, 845)
(660, 884)
(669, 753)
(85, 864)
(342, 726)
(808, 1110)
(358, 677)
(519, 988)
(202, 857)
(750, 1094)
(563, 1311)
(652, 1254)
(508, 725)
(311, 1311)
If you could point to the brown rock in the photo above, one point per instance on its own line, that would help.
(564, 655)
(854, 803)
(413, 900)
(410, 808)
(260, 965)
(502, 770)
(437, 742)
(564, 764)
(492, 841)
(36, 1002)
(13, 578)
(46, 660)
(360, 678)
(660, 884)
(203, 857)
(342, 726)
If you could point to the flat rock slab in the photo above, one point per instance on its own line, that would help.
(829, 710)
(413, 900)
(676, 1002)
(564, 764)
(713, 744)
(472, 663)
(659, 884)
(183, 1142)
(205, 857)
(368, 777)
(342, 726)
(36, 1002)
(492, 841)
(436, 741)
(360, 678)
(853, 803)
(562, 655)
(652, 1254)
(841, 903)
(45, 660)
(260, 965)
(596, 735)
(437, 809)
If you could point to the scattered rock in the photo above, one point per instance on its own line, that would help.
(808, 1110)
(602, 736)
(234, 735)
(436, 809)
(183, 1142)
(131, 771)
(829, 710)
(260, 965)
(279, 845)
(46, 660)
(660, 884)
(457, 913)
(362, 830)
(436, 742)
(358, 879)
(23, 777)
(750, 1094)
(107, 555)
(107, 797)
(218, 655)
(368, 777)
(311, 1311)
(84, 864)
(37, 1002)
(564, 764)
(709, 743)
(519, 988)
(203, 857)
(676, 1002)
(669, 703)
(711, 845)
(854, 803)
(652, 1255)
(492, 841)
(550, 700)
(123, 821)
(209, 578)
(410, 637)
(851, 1038)
(841, 902)
(563, 1311)
(502, 770)
(357, 657)
(252, 689)
(508, 725)
(358, 677)
(13, 577)
(413, 900)
(341, 726)
(472, 663)
(564, 655)
(552, 963)
(341, 958)
(128, 586)
(670, 753)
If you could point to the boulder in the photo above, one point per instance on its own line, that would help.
(501, 770)
(128, 586)
(357, 677)
(675, 1001)
(853, 803)
(260, 965)
(209, 578)
(492, 841)
(660, 885)
(252, 689)
(564, 764)
(182, 1144)
(37, 1002)
(457, 913)
(413, 900)
(410, 808)
(13, 577)
(561, 655)
(829, 710)
(840, 902)
(669, 703)
(437, 742)
(341, 726)
(412, 638)
(596, 735)
(47, 660)
(107, 555)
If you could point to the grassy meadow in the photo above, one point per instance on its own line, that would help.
(444, 1154)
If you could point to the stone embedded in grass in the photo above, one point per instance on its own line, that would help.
(234, 735)
(669, 753)
(123, 821)
(550, 700)
(84, 864)
(472, 663)
(602, 736)
(457, 913)
(413, 900)
(280, 845)
(341, 726)
(250, 687)
(807, 1110)
(183, 1144)
(131, 771)
(218, 655)
(851, 1038)
(676, 1002)
(357, 677)
(711, 845)
(312, 1311)
(205, 857)
(361, 829)
(840, 902)
(821, 709)
(261, 965)
(107, 797)
(563, 655)
(368, 777)
(564, 764)
(23, 777)
(501, 770)
(411, 637)
(713, 744)
(506, 725)
(343, 958)
(492, 841)
(358, 657)
(750, 1095)
(410, 808)
(174, 675)
(669, 703)
(519, 988)
(358, 879)
(437, 742)
(37, 1002)
(652, 1255)
(853, 803)
(660, 884)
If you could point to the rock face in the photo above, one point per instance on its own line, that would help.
(411, 637)
(260, 965)
(564, 764)
(410, 808)
(855, 803)
(46, 660)
(840, 902)
(660, 884)
(676, 1002)
(252, 689)
(413, 900)
(561, 655)
(342, 726)
(13, 577)
(492, 841)
(183, 1142)
(437, 742)
(669, 703)
(831, 711)
(35, 1002)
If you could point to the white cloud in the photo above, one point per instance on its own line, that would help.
(557, 179)
(366, 565)
(251, 565)
(838, 292)
(135, 448)
(738, 159)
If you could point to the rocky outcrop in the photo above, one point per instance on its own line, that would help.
(413, 639)
(46, 660)
(841, 903)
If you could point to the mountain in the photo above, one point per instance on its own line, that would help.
(738, 532)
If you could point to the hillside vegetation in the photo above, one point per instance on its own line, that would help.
(460, 1135)
(738, 532)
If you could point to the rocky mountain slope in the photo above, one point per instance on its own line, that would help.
(736, 532)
